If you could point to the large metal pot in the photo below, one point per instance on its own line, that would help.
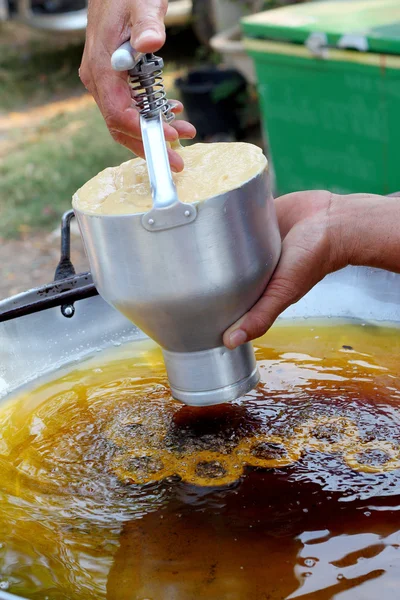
(38, 344)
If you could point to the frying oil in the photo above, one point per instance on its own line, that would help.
(111, 489)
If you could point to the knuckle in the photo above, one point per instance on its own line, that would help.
(112, 122)
(282, 290)
(116, 135)
(259, 324)
(154, 17)
(84, 76)
(162, 9)
(280, 294)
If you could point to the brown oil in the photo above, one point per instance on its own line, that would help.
(110, 489)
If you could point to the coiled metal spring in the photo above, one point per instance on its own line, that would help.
(147, 85)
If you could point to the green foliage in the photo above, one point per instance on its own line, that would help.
(33, 74)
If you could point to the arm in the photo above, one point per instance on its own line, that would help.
(110, 23)
(322, 233)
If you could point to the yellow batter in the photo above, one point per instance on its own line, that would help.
(210, 169)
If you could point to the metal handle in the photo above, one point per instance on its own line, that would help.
(162, 185)
(167, 211)
(65, 268)
(125, 58)
(66, 288)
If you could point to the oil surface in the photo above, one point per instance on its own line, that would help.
(110, 489)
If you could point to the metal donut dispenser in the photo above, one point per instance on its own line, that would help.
(183, 273)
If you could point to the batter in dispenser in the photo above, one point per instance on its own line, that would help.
(210, 170)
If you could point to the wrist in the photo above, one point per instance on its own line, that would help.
(364, 230)
(341, 243)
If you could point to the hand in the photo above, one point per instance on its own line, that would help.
(322, 233)
(110, 23)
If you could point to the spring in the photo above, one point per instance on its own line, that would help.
(149, 95)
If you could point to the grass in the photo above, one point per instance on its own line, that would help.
(35, 68)
(42, 165)
(38, 178)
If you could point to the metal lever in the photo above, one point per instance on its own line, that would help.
(125, 58)
(167, 211)
(146, 82)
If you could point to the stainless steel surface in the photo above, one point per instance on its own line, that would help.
(125, 58)
(185, 286)
(35, 345)
(7, 596)
(167, 212)
(38, 344)
(43, 342)
(145, 80)
(163, 188)
(217, 375)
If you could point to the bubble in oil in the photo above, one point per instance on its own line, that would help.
(310, 562)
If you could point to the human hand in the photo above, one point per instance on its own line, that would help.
(111, 23)
(321, 233)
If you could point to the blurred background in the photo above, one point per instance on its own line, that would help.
(317, 87)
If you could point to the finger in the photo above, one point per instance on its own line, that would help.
(297, 273)
(175, 160)
(129, 142)
(120, 115)
(184, 129)
(128, 123)
(116, 103)
(136, 146)
(124, 126)
(147, 25)
(176, 106)
(170, 133)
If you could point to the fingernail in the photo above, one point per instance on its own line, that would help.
(147, 35)
(237, 338)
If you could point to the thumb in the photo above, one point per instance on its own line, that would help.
(147, 24)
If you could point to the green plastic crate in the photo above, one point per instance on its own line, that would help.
(329, 86)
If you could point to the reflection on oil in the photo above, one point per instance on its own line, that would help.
(109, 488)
